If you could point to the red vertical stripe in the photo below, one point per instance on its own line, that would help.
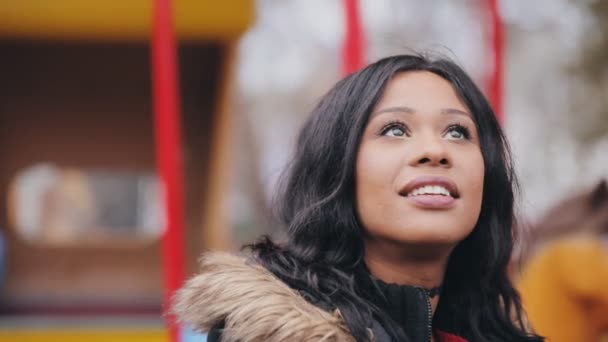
(496, 78)
(168, 149)
(353, 54)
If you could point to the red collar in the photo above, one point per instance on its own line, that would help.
(445, 337)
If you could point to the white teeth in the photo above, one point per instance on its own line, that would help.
(429, 190)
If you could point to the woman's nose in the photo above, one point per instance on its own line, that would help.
(431, 152)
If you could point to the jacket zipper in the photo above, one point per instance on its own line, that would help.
(429, 311)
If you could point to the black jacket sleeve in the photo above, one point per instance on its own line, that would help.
(215, 334)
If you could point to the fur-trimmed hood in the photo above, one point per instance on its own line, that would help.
(253, 304)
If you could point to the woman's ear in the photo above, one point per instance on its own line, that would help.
(599, 195)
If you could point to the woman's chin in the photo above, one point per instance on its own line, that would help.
(435, 235)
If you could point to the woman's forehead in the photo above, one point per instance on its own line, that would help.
(420, 91)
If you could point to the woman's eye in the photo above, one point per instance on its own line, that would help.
(457, 132)
(394, 130)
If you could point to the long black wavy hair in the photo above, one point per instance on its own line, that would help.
(323, 252)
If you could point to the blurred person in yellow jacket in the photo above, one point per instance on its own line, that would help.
(564, 283)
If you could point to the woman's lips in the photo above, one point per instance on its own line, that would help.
(431, 192)
(432, 201)
(422, 181)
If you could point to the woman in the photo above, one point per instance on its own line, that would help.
(398, 206)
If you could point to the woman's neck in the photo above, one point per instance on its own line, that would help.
(407, 266)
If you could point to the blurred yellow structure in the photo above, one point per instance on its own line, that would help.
(121, 20)
(150, 335)
(77, 95)
(564, 289)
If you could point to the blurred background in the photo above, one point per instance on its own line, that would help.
(81, 205)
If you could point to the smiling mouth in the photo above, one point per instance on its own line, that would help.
(431, 192)
(430, 186)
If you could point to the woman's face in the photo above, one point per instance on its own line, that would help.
(419, 169)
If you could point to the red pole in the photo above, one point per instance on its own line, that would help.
(496, 78)
(168, 150)
(353, 55)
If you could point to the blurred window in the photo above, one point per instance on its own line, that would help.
(61, 206)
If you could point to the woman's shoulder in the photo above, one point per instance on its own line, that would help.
(253, 304)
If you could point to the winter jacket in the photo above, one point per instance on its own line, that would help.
(250, 304)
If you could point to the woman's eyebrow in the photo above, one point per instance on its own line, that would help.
(400, 109)
(408, 110)
(456, 112)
